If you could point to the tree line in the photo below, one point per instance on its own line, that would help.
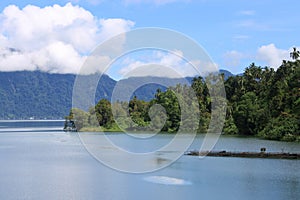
(260, 102)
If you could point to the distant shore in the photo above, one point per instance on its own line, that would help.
(273, 155)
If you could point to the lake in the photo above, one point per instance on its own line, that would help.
(40, 161)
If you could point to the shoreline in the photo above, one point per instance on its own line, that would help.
(108, 130)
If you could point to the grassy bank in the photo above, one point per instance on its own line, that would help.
(100, 129)
(117, 129)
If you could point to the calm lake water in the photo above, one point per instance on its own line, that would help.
(39, 161)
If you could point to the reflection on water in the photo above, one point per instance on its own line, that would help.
(165, 180)
(55, 165)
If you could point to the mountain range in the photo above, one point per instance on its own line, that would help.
(41, 95)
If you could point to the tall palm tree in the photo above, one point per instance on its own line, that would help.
(295, 54)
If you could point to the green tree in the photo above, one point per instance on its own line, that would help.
(120, 114)
(253, 76)
(169, 101)
(295, 54)
(92, 118)
(229, 125)
(80, 118)
(284, 127)
(138, 111)
(104, 113)
(201, 90)
(246, 114)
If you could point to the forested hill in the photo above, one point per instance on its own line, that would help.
(260, 102)
(41, 95)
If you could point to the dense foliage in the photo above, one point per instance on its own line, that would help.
(261, 102)
(266, 102)
(41, 95)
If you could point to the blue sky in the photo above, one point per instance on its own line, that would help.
(234, 33)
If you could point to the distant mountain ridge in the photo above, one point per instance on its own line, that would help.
(41, 95)
(148, 86)
(226, 73)
(26, 94)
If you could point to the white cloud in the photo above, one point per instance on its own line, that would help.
(11, 60)
(268, 55)
(171, 59)
(96, 63)
(233, 58)
(58, 57)
(272, 55)
(111, 27)
(54, 38)
(162, 64)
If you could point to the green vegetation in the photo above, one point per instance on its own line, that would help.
(40, 95)
(266, 103)
(260, 102)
